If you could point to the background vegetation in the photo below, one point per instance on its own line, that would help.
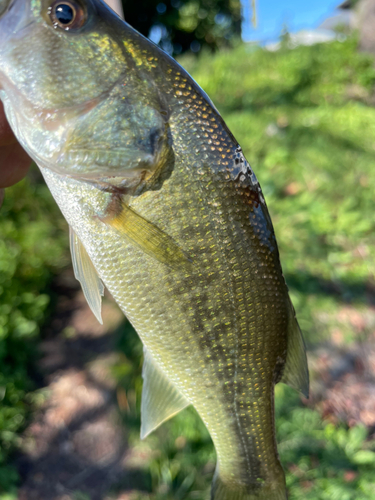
(306, 121)
(181, 25)
(33, 248)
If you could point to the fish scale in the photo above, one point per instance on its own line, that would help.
(165, 210)
(242, 329)
(193, 291)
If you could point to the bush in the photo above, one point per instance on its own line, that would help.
(182, 25)
(33, 247)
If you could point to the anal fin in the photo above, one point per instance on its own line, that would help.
(145, 235)
(161, 399)
(85, 273)
(296, 373)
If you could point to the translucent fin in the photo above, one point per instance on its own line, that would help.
(161, 400)
(296, 373)
(85, 273)
(274, 491)
(148, 237)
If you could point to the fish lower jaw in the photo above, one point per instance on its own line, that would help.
(101, 163)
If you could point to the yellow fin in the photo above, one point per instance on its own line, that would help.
(296, 373)
(161, 399)
(85, 273)
(148, 237)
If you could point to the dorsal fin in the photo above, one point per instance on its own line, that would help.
(296, 373)
(161, 399)
(85, 273)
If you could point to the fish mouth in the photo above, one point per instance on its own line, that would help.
(51, 117)
(50, 145)
(53, 125)
(58, 126)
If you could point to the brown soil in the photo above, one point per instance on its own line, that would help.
(75, 448)
(343, 374)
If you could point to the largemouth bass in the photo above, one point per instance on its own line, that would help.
(166, 212)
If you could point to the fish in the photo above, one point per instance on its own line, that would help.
(166, 213)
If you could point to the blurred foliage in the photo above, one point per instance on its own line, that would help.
(181, 25)
(32, 248)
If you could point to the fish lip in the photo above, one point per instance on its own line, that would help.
(51, 118)
(105, 183)
(49, 114)
(85, 107)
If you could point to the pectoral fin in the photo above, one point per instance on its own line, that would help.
(161, 399)
(147, 236)
(296, 373)
(85, 273)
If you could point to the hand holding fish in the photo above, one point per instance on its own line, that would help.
(14, 161)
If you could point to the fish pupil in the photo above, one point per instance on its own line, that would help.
(64, 13)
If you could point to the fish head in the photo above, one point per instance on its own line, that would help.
(76, 93)
(58, 53)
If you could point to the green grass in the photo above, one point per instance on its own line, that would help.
(305, 122)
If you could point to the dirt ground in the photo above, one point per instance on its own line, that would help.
(343, 374)
(75, 448)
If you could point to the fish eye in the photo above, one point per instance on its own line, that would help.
(67, 15)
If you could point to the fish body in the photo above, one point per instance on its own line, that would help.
(165, 210)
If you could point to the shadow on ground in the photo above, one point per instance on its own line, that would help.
(76, 446)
